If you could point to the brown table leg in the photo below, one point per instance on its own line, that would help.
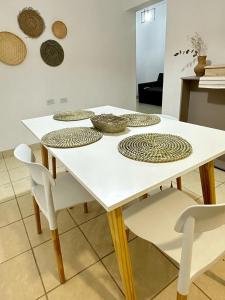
(44, 156)
(179, 183)
(53, 167)
(117, 228)
(208, 183)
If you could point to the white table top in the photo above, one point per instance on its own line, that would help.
(115, 180)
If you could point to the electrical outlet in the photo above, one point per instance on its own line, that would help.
(63, 100)
(50, 101)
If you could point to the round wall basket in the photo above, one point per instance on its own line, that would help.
(52, 53)
(59, 29)
(31, 22)
(12, 49)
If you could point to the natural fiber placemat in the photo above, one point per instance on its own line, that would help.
(59, 29)
(31, 22)
(73, 115)
(52, 53)
(71, 137)
(12, 49)
(155, 148)
(139, 120)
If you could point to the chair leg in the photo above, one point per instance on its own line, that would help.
(179, 183)
(58, 254)
(181, 297)
(53, 167)
(37, 216)
(85, 208)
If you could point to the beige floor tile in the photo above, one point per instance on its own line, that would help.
(213, 281)
(98, 233)
(170, 293)
(42, 298)
(77, 255)
(65, 223)
(13, 240)
(94, 284)
(9, 212)
(7, 153)
(219, 175)
(192, 182)
(152, 270)
(26, 205)
(220, 194)
(94, 210)
(4, 177)
(2, 165)
(19, 279)
(12, 162)
(22, 186)
(18, 173)
(6, 192)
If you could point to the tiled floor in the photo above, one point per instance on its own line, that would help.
(27, 265)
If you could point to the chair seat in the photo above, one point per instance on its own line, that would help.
(154, 218)
(66, 193)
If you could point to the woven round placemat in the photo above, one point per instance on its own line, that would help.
(71, 137)
(139, 120)
(155, 148)
(52, 53)
(73, 115)
(31, 22)
(59, 29)
(12, 49)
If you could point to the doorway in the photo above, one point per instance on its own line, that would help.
(150, 54)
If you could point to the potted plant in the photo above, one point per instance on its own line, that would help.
(198, 50)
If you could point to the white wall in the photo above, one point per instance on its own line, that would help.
(99, 65)
(150, 44)
(136, 4)
(185, 18)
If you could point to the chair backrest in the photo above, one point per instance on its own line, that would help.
(196, 220)
(24, 154)
(39, 176)
(207, 217)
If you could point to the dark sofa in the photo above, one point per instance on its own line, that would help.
(151, 92)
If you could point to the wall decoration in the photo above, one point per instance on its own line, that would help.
(31, 22)
(12, 49)
(59, 29)
(52, 53)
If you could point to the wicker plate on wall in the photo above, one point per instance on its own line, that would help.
(139, 120)
(155, 148)
(59, 29)
(52, 53)
(71, 137)
(31, 22)
(12, 49)
(73, 115)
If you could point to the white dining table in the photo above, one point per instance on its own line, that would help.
(114, 180)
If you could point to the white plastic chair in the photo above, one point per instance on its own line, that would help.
(51, 196)
(192, 235)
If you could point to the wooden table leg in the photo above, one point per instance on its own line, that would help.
(117, 228)
(208, 183)
(179, 183)
(53, 167)
(44, 156)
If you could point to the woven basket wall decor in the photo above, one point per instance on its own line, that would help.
(31, 22)
(52, 53)
(12, 49)
(59, 29)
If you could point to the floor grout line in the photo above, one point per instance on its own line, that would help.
(78, 226)
(30, 245)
